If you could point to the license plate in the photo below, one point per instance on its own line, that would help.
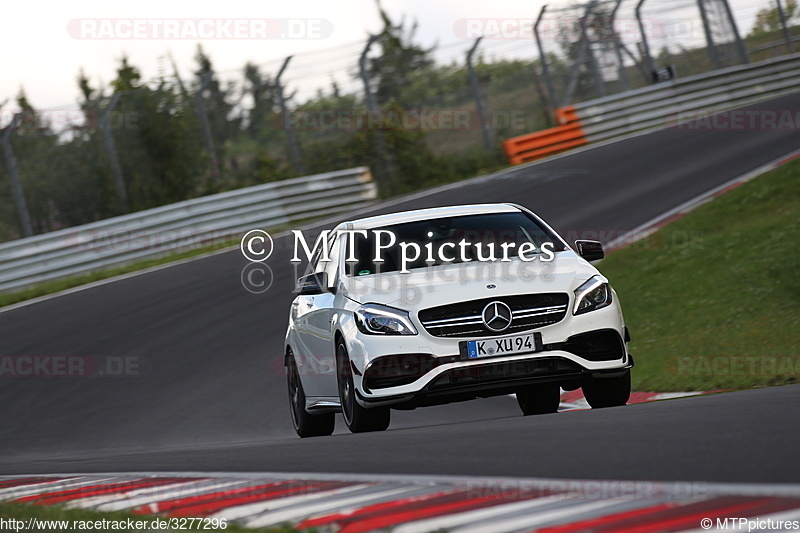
(528, 343)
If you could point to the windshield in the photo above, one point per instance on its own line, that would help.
(450, 240)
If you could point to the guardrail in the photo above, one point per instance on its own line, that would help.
(658, 106)
(535, 145)
(157, 232)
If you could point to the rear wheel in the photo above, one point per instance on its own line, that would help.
(608, 392)
(539, 399)
(305, 424)
(357, 418)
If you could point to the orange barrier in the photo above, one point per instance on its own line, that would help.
(532, 146)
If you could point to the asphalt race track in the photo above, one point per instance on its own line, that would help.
(211, 394)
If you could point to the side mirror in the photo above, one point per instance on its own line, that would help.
(590, 250)
(313, 284)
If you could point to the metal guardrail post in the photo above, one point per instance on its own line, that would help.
(548, 79)
(384, 173)
(476, 95)
(294, 149)
(206, 126)
(119, 181)
(16, 187)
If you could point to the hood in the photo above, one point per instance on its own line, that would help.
(444, 284)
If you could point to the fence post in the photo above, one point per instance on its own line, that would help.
(385, 174)
(294, 149)
(711, 47)
(599, 83)
(476, 95)
(786, 36)
(648, 58)
(623, 72)
(739, 43)
(16, 187)
(206, 126)
(548, 80)
(119, 181)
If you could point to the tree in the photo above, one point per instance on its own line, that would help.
(399, 63)
(224, 125)
(768, 19)
(264, 114)
(157, 138)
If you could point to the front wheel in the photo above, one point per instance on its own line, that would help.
(357, 418)
(608, 392)
(305, 424)
(539, 399)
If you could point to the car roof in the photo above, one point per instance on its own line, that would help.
(427, 214)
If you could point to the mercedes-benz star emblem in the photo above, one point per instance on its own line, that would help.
(496, 316)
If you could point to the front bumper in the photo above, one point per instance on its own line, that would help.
(492, 378)
(437, 363)
(416, 380)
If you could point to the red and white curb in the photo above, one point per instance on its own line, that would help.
(572, 400)
(407, 504)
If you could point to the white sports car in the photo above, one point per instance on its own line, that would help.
(449, 304)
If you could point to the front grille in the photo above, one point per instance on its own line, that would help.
(463, 319)
(504, 372)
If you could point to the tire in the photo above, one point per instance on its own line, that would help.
(305, 424)
(357, 418)
(608, 392)
(539, 399)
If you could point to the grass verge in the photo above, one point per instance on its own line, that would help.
(51, 287)
(712, 300)
(57, 518)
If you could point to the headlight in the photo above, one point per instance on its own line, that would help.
(374, 319)
(593, 294)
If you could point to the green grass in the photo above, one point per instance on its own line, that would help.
(24, 512)
(51, 287)
(713, 299)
